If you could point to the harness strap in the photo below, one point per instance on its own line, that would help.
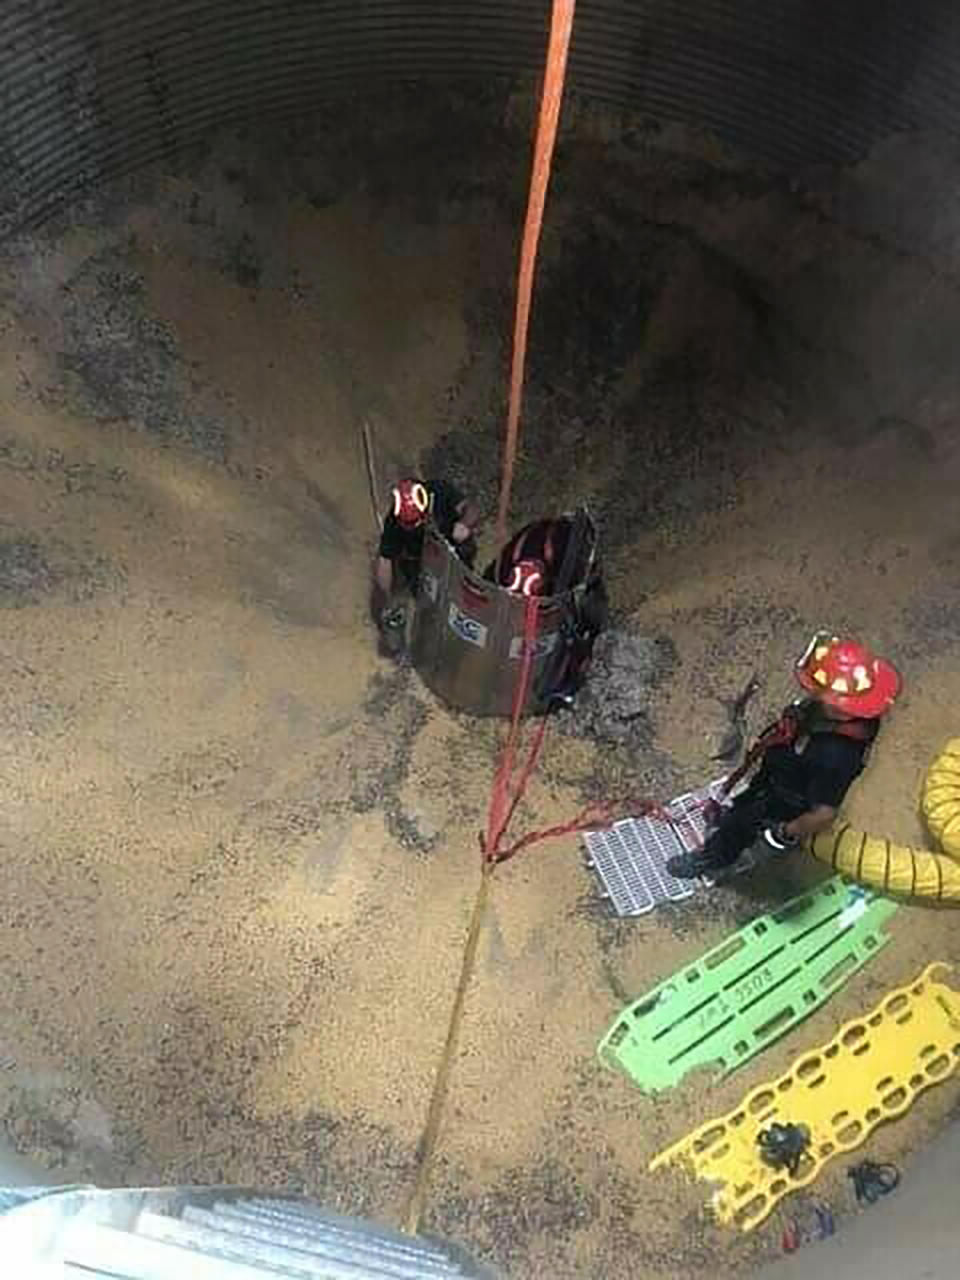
(796, 721)
(548, 544)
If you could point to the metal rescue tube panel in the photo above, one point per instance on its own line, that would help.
(467, 638)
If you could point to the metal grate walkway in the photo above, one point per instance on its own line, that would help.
(630, 858)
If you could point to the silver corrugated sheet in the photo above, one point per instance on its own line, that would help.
(213, 1234)
(90, 88)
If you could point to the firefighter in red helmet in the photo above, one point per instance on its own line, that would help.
(527, 577)
(552, 556)
(414, 502)
(809, 758)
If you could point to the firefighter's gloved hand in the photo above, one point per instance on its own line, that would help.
(561, 699)
(393, 619)
(777, 837)
(712, 814)
(391, 628)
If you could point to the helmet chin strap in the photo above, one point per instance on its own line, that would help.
(833, 712)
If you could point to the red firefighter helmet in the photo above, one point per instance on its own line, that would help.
(846, 675)
(411, 502)
(527, 577)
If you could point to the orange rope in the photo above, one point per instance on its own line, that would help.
(505, 795)
(561, 27)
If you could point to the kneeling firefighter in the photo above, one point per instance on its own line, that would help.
(415, 503)
(549, 558)
(808, 759)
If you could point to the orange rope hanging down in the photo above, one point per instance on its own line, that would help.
(561, 27)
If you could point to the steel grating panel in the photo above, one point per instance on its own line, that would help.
(630, 857)
(90, 88)
(215, 1233)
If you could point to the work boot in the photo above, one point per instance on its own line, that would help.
(690, 866)
(393, 619)
(391, 628)
(561, 699)
(776, 838)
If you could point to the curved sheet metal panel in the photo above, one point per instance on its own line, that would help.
(89, 88)
(467, 640)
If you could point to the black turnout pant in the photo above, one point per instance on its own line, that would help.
(758, 807)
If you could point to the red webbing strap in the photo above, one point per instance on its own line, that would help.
(530, 764)
(561, 27)
(507, 793)
(504, 797)
(591, 818)
(780, 734)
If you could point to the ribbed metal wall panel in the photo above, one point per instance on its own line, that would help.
(89, 88)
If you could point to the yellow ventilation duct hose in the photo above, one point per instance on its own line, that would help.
(898, 869)
(941, 798)
(891, 868)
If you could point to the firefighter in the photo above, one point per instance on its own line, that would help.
(806, 762)
(549, 557)
(413, 503)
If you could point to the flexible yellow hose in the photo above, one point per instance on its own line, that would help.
(941, 798)
(898, 869)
